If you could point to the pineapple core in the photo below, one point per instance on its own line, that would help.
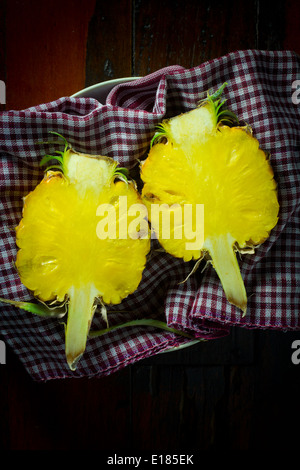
(61, 256)
(196, 159)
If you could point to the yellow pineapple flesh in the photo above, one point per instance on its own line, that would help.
(197, 158)
(61, 255)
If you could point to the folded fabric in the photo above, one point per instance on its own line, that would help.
(261, 92)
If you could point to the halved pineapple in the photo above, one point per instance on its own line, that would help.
(196, 159)
(62, 254)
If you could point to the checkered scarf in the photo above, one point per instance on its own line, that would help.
(260, 91)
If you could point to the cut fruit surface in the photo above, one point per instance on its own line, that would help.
(63, 256)
(196, 159)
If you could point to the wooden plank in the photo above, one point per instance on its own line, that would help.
(278, 25)
(275, 389)
(109, 47)
(2, 51)
(4, 409)
(189, 33)
(69, 414)
(45, 50)
(231, 407)
(174, 407)
(291, 38)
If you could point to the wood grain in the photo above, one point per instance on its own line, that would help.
(45, 50)
(189, 33)
(109, 45)
(239, 392)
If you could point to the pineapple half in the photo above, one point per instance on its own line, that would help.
(204, 158)
(63, 256)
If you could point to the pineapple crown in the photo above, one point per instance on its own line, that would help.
(221, 114)
(120, 172)
(59, 157)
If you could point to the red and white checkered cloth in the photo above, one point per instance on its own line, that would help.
(260, 91)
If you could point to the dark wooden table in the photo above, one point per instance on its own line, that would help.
(239, 392)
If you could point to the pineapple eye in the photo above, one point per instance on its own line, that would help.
(150, 197)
